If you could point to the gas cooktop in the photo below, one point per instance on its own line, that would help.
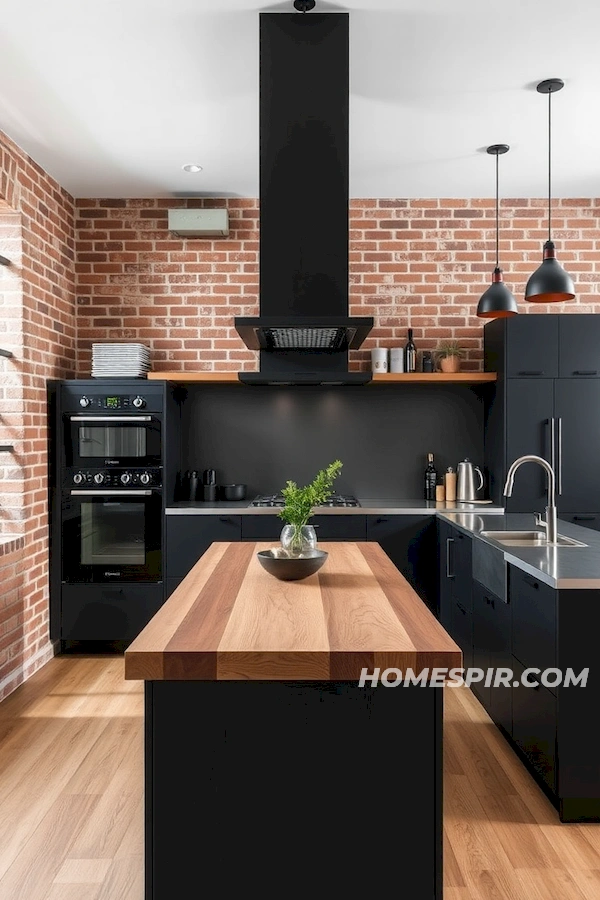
(277, 500)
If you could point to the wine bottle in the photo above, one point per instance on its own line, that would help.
(410, 354)
(431, 477)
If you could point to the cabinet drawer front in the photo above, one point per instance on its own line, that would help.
(261, 528)
(93, 612)
(340, 528)
(533, 620)
(534, 726)
(188, 537)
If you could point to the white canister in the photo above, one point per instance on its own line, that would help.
(397, 359)
(379, 360)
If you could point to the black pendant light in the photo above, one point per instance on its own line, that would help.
(497, 302)
(550, 283)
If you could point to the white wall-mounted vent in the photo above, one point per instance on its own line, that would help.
(199, 222)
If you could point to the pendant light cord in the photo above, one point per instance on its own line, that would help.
(549, 165)
(497, 215)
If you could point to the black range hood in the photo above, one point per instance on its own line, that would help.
(304, 332)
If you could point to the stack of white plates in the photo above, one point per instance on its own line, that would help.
(120, 360)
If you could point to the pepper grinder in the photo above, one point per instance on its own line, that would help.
(450, 483)
(194, 485)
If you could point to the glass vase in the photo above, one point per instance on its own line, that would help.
(297, 539)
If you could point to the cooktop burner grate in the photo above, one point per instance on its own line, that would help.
(276, 500)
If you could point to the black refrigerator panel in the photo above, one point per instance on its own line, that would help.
(529, 429)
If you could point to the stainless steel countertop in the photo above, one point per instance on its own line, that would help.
(560, 567)
(368, 507)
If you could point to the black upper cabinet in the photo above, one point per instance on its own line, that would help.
(577, 414)
(532, 346)
(544, 346)
(579, 346)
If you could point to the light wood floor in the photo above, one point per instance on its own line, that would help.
(71, 799)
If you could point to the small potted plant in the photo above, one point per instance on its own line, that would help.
(448, 355)
(297, 536)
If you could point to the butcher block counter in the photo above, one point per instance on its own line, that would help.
(268, 767)
(229, 619)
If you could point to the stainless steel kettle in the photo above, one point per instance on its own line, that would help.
(465, 481)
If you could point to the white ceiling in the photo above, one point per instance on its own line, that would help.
(113, 97)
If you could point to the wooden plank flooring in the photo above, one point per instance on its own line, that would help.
(71, 799)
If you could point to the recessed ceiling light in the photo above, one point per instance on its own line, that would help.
(192, 167)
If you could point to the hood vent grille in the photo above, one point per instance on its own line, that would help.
(327, 334)
(305, 338)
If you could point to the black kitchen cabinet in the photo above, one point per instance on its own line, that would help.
(534, 725)
(445, 534)
(492, 650)
(327, 527)
(529, 412)
(410, 542)
(546, 346)
(188, 537)
(544, 403)
(533, 619)
(455, 587)
(98, 612)
(532, 347)
(579, 346)
(171, 584)
(577, 414)
(586, 520)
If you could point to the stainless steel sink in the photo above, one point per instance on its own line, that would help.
(529, 539)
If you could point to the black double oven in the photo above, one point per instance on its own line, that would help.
(109, 463)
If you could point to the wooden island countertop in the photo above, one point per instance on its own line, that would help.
(230, 620)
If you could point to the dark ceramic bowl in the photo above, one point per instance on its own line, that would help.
(292, 568)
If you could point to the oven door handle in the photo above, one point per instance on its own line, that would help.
(111, 418)
(101, 493)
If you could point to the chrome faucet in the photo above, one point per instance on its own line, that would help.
(550, 522)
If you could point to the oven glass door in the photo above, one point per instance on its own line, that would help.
(112, 440)
(112, 537)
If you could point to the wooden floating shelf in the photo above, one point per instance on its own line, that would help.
(436, 377)
(388, 378)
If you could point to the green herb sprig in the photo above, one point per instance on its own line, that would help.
(300, 501)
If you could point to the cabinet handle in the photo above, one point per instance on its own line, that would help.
(559, 455)
(531, 372)
(492, 604)
(531, 582)
(380, 521)
(448, 542)
(552, 445)
(583, 518)
(462, 609)
(585, 372)
(227, 520)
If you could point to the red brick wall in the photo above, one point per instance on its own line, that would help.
(39, 314)
(420, 261)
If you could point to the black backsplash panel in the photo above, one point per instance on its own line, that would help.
(262, 436)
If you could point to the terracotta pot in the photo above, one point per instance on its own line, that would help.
(450, 363)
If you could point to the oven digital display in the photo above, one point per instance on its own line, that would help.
(112, 403)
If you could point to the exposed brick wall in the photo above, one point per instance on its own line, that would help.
(423, 262)
(39, 315)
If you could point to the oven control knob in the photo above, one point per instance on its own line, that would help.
(98, 477)
(84, 401)
(145, 477)
(139, 402)
(77, 478)
(125, 478)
